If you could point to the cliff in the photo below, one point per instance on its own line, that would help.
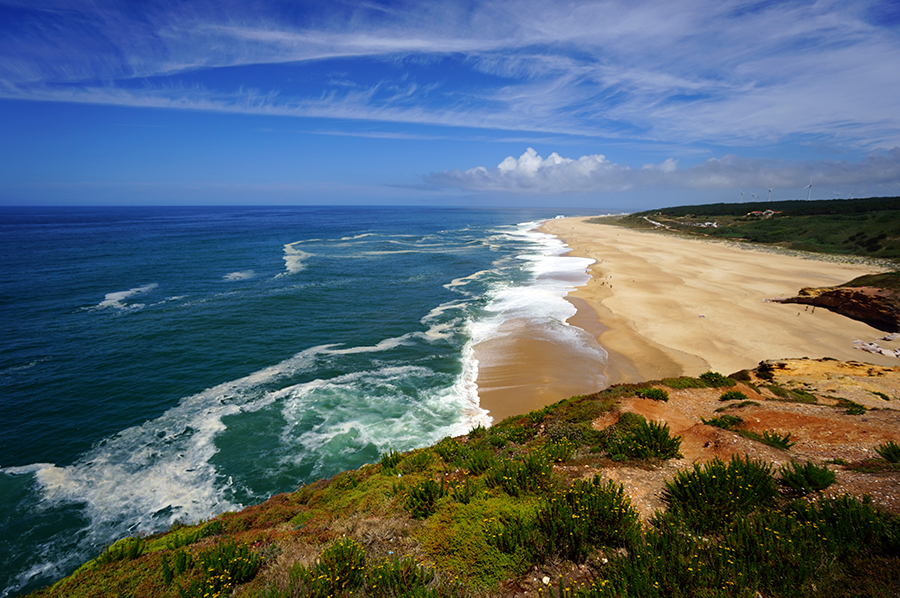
(877, 307)
(680, 487)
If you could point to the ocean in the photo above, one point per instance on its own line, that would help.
(165, 364)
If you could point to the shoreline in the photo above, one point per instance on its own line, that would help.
(663, 306)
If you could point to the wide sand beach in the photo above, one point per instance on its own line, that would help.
(663, 306)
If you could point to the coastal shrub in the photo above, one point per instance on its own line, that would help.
(740, 405)
(559, 450)
(570, 523)
(339, 571)
(395, 577)
(421, 500)
(479, 460)
(125, 549)
(716, 380)
(589, 513)
(514, 432)
(389, 461)
(726, 422)
(181, 561)
(806, 478)
(530, 475)
(477, 432)
(451, 451)
(851, 407)
(565, 430)
(644, 440)
(711, 496)
(889, 451)
(656, 394)
(223, 566)
(417, 461)
(463, 492)
(777, 440)
(732, 395)
(769, 437)
(653, 440)
(684, 382)
(881, 395)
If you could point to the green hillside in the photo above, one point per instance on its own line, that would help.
(483, 514)
(867, 227)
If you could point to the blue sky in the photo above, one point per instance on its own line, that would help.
(621, 104)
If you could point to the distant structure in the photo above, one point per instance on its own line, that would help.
(763, 213)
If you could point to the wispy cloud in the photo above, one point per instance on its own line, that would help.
(701, 71)
(532, 173)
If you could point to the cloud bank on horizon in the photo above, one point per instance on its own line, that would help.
(763, 87)
(532, 173)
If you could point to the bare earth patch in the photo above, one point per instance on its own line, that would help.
(823, 432)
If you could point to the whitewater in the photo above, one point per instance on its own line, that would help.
(170, 364)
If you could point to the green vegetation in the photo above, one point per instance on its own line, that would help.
(473, 516)
(732, 395)
(656, 394)
(806, 478)
(889, 451)
(867, 227)
(726, 422)
(715, 379)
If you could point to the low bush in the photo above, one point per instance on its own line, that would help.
(417, 461)
(530, 475)
(644, 440)
(570, 523)
(421, 500)
(463, 492)
(125, 549)
(889, 451)
(656, 394)
(559, 450)
(740, 405)
(389, 461)
(397, 577)
(223, 566)
(451, 451)
(340, 571)
(732, 395)
(777, 440)
(478, 461)
(806, 478)
(711, 496)
(716, 380)
(726, 422)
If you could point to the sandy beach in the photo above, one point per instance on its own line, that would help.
(665, 306)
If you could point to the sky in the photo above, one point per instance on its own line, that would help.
(614, 104)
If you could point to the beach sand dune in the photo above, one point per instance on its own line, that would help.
(664, 306)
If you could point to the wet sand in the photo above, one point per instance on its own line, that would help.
(665, 306)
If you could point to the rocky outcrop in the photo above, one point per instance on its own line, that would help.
(877, 307)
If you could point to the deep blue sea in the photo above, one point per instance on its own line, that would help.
(168, 364)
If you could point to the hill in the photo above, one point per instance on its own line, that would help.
(782, 480)
(868, 227)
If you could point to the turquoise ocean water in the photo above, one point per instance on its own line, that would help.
(168, 364)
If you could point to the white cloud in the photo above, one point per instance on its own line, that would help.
(704, 71)
(531, 173)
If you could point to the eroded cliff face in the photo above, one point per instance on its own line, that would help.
(879, 308)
